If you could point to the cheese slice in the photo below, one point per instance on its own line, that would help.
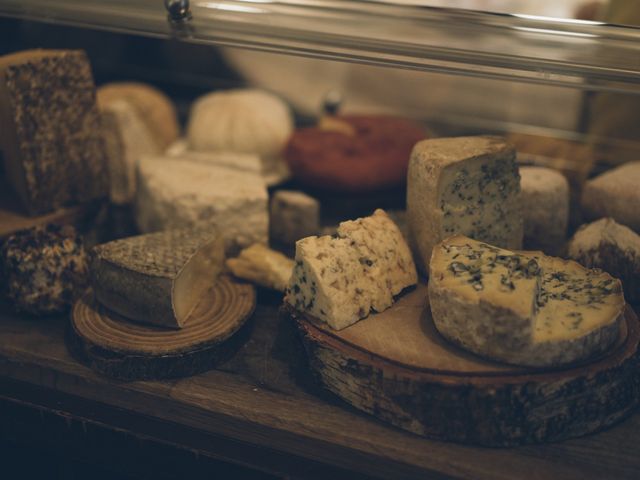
(157, 278)
(263, 266)
(523, 308)
(468, 186)
(340, 280)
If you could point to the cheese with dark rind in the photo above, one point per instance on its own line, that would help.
(522, 308)
(340, 280)
(466, 185)
(157, 278)
(50, 130)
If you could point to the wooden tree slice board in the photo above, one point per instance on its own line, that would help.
(117, 347)
(396, 366)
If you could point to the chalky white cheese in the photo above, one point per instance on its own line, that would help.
(545, 200)
(522, 308)
(340, 280)
(173, 193)
(466, 185)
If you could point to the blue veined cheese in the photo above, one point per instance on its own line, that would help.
(468, 186)
(523, 308)
(340, 280)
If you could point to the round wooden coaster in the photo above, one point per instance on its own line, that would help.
(119, 348)
(396, 366)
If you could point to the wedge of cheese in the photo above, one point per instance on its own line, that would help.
(466, 185)
(522, 308)
(263, 266)
(339, 280)
(157, 278)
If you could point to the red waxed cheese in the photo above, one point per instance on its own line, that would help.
(375, 157)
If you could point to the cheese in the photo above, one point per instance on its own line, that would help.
(468, 186)
(50, 133)
(173, 193)
(243, 121)
(614, 194)
(157, 278)
(340, 280)
(244, 162)
(522, 308)
(44, 269)
(294, 215)
(135, 142)
(612, 247)
(545, 197)
(263, 266)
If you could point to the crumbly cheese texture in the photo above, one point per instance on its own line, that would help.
(263, 266)
(523, 308)
(614, 194)
(612, 247)
(340, 280)
(465, 185)
(294, 215)
(545, 196)
(173, 193)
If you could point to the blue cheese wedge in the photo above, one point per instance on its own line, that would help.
(523, 308)
(341, 279)
(468, 186)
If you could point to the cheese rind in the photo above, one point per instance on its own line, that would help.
(466, 185)
(340, 280)
(157, 278)
(522, 308)
(612, 247)
(294, 215)
(173, 193)
(545, 195)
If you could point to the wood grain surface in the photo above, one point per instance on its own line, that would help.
(262, 401)
(396, 366)
(117, 347)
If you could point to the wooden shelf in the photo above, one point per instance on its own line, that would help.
(264, 404)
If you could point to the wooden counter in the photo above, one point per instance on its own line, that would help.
(260, 409)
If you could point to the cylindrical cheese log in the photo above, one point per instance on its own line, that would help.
(545, 202)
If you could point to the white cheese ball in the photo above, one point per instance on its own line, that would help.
(545, 207)
(242, 121)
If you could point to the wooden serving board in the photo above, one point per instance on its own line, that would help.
(396, 366)
(117, 347)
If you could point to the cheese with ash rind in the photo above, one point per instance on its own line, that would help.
(50, 132)
(545, 200)
(340, 280)
(173, 193)
(612, 247)
(157, 278)
(293, 215)
(263, 266)
(466, 185)
(614, 194)
(523, 308)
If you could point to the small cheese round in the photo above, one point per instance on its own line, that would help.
(545, 201)
(154, 107)
(243, 121)
(44, 268)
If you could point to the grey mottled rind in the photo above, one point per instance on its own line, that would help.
(50, 129)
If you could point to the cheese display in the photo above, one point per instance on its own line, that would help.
(128, 140)
(340, 280)
(157, 278)
(152, 106)
(246, 162)
(174, 194)
(263, 266)
(522, 308)
(354, 153)
(293, 215)
(612, 247)
(466, 185)
(50, 133)
(615, 194)
(44, 269)
(545, 198)
(243, 121)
